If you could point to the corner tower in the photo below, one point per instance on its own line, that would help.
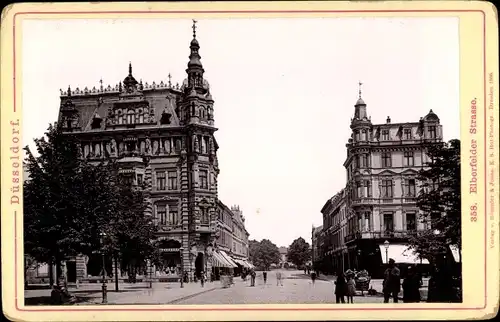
(199, 164)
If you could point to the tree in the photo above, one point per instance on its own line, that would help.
(439, 201)
(53, 224)
(133, 232)
(299, 252)
(264, 253)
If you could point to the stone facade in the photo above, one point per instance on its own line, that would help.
(161, 135)
(232, 236)
(378, 203)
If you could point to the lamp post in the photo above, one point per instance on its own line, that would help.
(104, 286)
(182, 267)
(359, 259)
(386, 245)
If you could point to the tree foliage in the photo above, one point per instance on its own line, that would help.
(69, 204)
(439, 200)
(263, 253)
(53, 222)
(299, 252)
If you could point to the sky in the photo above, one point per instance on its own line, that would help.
(284, 92)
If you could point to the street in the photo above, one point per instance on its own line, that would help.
(297, 289)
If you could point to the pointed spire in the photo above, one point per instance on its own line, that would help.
(69, 90)
(194, 28)
(359, 86)
(130, 68)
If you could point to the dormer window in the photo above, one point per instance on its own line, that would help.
(165, 118)
(96, 122)
(432, 131)
(407, 134)
(385, 135)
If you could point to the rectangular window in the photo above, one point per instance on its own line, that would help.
(173, 217)
(359, 186)
(204, 179)
(388, 222)
(411, 188)
(385, 135)
(432, 132)
(127, 179)
(204, 216)
(364, 161)
(386, 189)
(368, 185)
(386, 159)
(161, 214)
(139, 179)
(407, 134)
(408, 158)
(172, 180)
(161, 180)
(411, 222)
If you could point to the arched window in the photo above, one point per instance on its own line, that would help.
(202, 113)
(193, 110)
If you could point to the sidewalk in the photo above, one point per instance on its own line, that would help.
(377, 285)
(139, 293)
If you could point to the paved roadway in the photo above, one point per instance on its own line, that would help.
(295, 290)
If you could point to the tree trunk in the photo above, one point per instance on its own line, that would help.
(58, 272)
(116, 273)
(51, 273)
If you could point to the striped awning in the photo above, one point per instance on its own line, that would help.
(219, 261)
(228, 258)
(239, 262)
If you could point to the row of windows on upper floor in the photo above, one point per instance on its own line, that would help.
(363, 223)
(165, 180)
(142, 146)
(406, 134)
(226, 239)
(168, 215)
(386, 160)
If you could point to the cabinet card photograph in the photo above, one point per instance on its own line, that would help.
(249, 161)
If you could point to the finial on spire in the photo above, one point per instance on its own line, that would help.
(194, 28)
(359, 88)
(100, 81)
(169, 80)
(130, 68)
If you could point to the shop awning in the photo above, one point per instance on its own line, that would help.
(239, 262)
(401, 254)
(456, 253)
(219, 261)
(250, 265)
(228, 258)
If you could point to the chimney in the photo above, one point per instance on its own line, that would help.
(388, 120)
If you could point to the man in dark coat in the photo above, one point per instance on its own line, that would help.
(411, 286)
(340, 288)
(392, 282)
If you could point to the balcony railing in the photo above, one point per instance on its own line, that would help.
(379, 235)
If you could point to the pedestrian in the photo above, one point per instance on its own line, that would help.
(392, 282)
(252, 278)
(279, 278)
(313, 277)
(340, 288)
(411, 286)
(264, 275)
(351, 289)
(202, 279)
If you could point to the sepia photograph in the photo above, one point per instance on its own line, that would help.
(241, 161)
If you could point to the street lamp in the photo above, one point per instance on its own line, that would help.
(104, 286)
(386, 245)
(182, 267)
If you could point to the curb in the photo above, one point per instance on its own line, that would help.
(191, 296)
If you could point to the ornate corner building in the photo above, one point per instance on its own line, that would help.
(161, 135)
(378, 203)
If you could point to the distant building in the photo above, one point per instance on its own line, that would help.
(378, 203)
(317, 244)
(283, 256)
